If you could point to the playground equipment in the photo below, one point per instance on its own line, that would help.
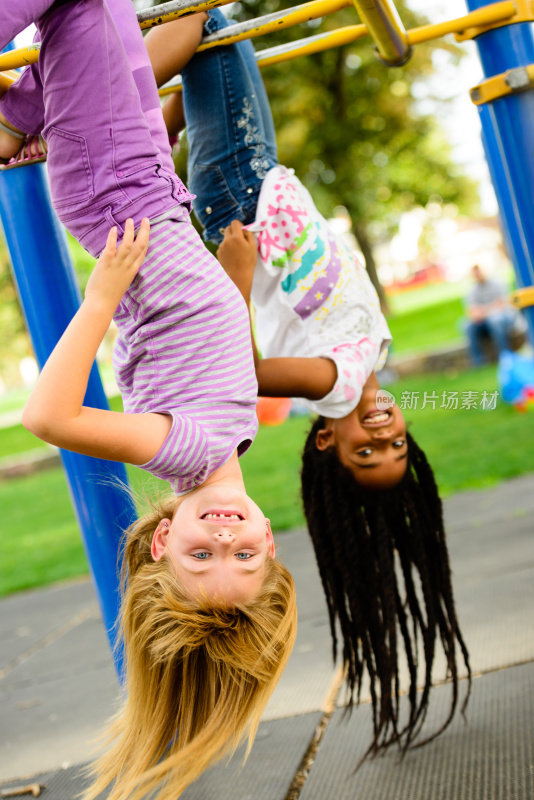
(515, 375)
(505, 38)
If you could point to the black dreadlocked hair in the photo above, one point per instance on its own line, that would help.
(364, 541)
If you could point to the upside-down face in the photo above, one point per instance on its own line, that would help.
(370, 441)
(218, 542)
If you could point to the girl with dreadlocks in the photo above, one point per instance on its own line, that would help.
(370, 498)
(208, 615)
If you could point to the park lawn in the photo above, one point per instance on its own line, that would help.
(39, 538)
(468, 448)
(15, 439)
(429, 327)
(430, 316)
(428, 294)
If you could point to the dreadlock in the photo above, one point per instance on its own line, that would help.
(364, 542)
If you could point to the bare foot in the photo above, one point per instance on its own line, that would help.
(9, 143)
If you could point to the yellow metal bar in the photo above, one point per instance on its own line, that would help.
(318, 8)
(273, 22)
(518, 79)
(523, 298)
(489, 16)
(523, 12)
(313, 44)
(348, 34)
(148, 20)
(496, 12)
(386, 28)
(302, 47)
(7, 78)
(20, 57)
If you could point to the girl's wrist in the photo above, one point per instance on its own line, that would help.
(102, 308)
(245, 292)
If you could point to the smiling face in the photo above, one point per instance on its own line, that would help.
(218, 542)
(371, 443)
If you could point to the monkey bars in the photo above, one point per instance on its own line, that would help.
(377, 23)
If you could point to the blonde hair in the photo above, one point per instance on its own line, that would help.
(197, 678)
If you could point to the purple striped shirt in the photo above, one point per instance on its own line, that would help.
(184, 350)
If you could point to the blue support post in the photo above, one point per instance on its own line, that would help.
(50, 297)
(508, 136)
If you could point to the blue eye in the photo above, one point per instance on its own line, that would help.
(201, 556)
(243, 556)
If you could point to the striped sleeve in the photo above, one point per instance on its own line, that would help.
(183, 457)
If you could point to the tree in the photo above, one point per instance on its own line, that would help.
(15, 341)
(352, 129)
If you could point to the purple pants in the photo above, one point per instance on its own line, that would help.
(93, 97)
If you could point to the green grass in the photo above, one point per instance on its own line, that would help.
(15, 439)
(271, 470)
(468, 448)
(428, 327)
(429, 294)
(39, 539)
(428, 317)
(39, 543)
(13, 400)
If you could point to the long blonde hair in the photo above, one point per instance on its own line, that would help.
(197, 677)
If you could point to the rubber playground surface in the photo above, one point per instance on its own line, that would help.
(58, 685)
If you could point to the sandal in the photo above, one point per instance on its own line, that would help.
(33, 151)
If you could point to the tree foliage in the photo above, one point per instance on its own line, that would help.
(15, 340)
(352, 129)
(15, 343)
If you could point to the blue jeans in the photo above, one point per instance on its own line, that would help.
(497, 326)
(230, 132)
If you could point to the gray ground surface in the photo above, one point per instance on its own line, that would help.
(58, 686)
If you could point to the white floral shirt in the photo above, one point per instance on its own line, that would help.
(312, 297)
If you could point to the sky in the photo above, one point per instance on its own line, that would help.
(459, 117)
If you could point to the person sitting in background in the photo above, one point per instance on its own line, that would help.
(488, 314)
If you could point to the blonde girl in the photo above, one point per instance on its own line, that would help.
(208, 615)
(370, 498)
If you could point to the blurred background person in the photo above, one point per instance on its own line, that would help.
(489, 316)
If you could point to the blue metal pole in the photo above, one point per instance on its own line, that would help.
(508, 136)
(50, 297)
